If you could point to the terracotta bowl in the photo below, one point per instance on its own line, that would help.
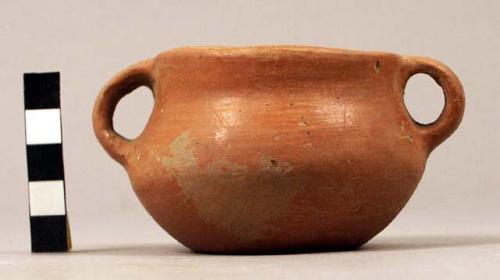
(269, 149)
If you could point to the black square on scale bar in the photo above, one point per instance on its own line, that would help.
(45, 162)
(49, 234)
(41, 90)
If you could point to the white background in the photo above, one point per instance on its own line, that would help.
(449, 229)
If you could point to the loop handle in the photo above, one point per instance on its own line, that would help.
(451, 116)
(139, 74)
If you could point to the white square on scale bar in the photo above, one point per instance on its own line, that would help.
(43, 126)
(46, 198)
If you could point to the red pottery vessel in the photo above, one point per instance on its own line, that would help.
(279, 148)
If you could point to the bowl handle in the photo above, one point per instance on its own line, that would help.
(451, 116)
(122, 84)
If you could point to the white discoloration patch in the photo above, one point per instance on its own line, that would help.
(302, 121)
(405, 136)
(235, 197)
(336, 114)
(226, 112)
(181, 154)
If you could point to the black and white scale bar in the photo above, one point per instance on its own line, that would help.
(48, 219)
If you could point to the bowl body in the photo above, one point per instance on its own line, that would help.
(267, 149)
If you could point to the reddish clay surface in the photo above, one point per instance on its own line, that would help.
(266, 149)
